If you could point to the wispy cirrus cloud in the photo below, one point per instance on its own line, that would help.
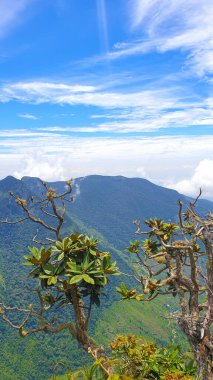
(130, 111)
(28, 116)
(11, 12)
(44, 92)
(151, 119)
(166, 25)
(47, 92)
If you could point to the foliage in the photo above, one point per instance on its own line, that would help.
(68, 270)
(34, 357)
(74, 260)
(141, 360)
(177, 260)
(117, 199)
(92, 372)
(2, 281)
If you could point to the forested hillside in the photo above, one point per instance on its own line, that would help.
(104, 207)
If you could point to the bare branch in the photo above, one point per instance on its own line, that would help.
(6, 221)
(131, 275)
(192, 204)
(190, 282)
(180, 213)
(35, 240)
(48, 213)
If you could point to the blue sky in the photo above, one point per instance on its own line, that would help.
(112, 87)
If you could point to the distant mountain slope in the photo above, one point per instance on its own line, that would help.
(104, 204)
(105, 207)
(110, 204)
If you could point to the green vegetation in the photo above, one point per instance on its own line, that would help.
(135, 358)
(2, 282)
(147, 320)
(139, 359)
(68, 271)
(177, 260)
(107, 215)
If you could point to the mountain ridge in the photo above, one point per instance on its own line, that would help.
(107, 204)
(26, 179)
(105, 207)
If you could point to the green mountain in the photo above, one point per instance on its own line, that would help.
(104, 207)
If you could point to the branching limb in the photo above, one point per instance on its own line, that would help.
(35, 240)
(6, 221)
(192, 204)
(47, 213)
(132, 275)
(48, 327)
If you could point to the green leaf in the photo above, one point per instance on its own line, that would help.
(94, 253)
(27, 257)
(61, 256)
(88, 279)
(35, 252)
(114, 377)
(65, 243)
(60, 268)
(28, 264)
(98, 272)
(35, 261)
(123, 287)
(48, 268)
(75, 237)
(45, 255)
(44, 276)
(76, 279)
(59, 245)
(52, 280)
(86, 267)
(86, 262)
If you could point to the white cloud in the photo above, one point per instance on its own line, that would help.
(163, 160)
(44, 92)
(164, 25)
(42, 167)
(11, 11)
(201, 178)
(11, 134)
(139, 111)
(102, 22)
(141, 172)
(148, 119)
(28, 116)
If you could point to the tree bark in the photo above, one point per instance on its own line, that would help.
(204, 359)
(82, 337)
(202, 347)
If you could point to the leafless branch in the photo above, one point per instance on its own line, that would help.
(6, 221)
(192, 204)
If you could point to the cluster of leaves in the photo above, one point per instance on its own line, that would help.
(142, 360)
(160, 248)
(74, 260)
(128, 294)
(161, 228)
(158, 231)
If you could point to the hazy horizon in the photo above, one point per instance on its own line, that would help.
(112, 176)
(109, 88)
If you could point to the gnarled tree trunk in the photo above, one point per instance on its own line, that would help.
(82, 336)
(204, 359)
